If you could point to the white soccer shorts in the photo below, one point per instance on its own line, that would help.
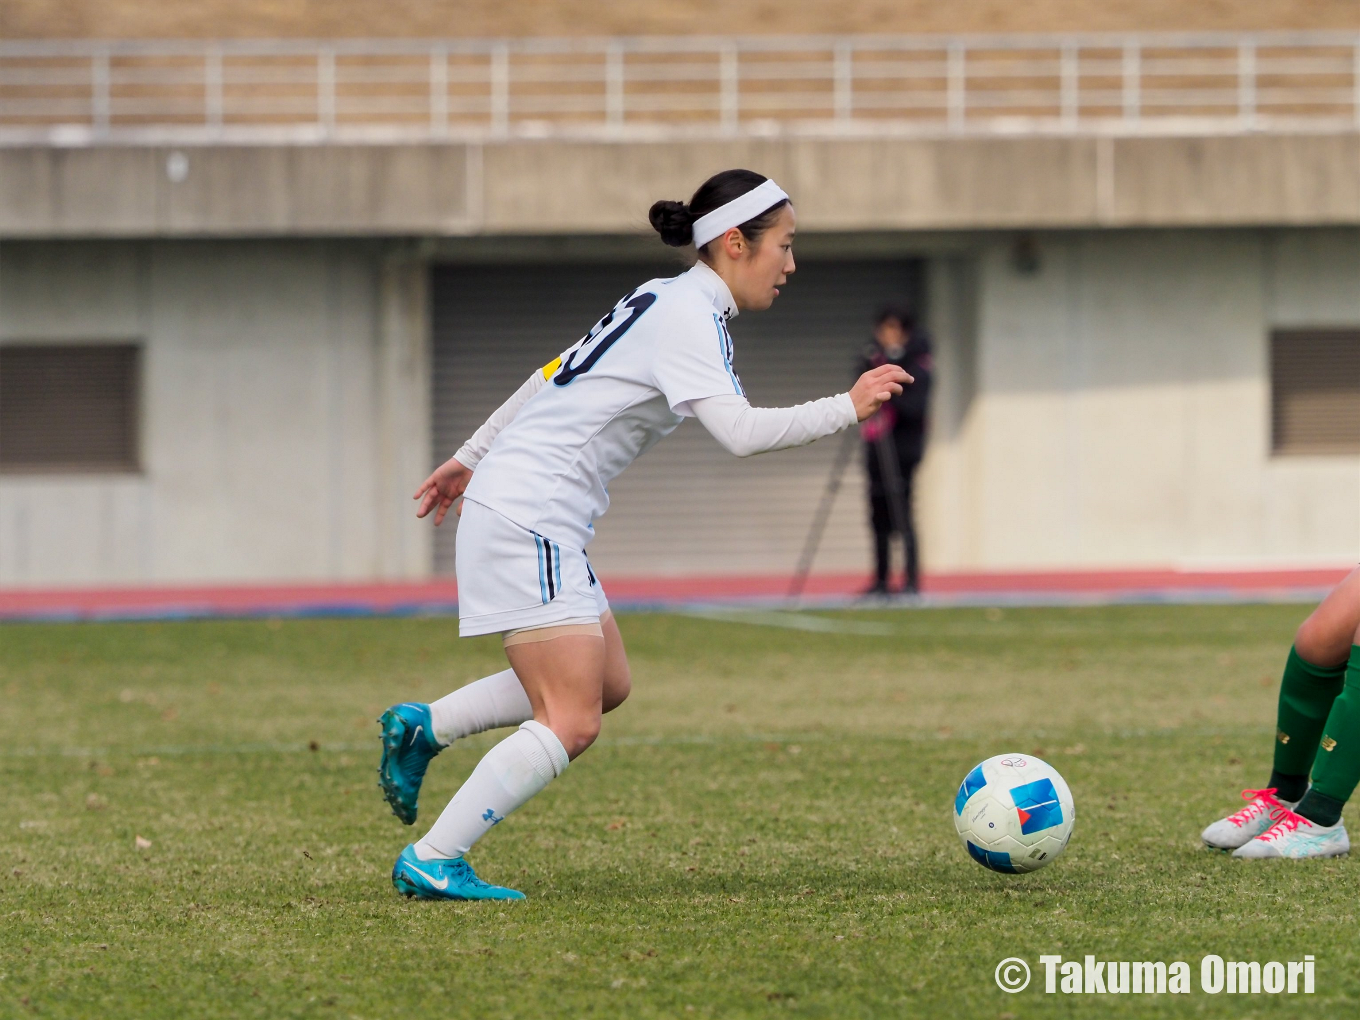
(510, 578)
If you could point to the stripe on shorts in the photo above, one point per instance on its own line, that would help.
(542, 574)
(549, 567)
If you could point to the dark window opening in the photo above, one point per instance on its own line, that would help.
(69, 407)
(1315, 391)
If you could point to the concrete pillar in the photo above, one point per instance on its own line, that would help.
(402, 407)
(947, 522)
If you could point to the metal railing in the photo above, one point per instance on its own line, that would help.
(75, 92)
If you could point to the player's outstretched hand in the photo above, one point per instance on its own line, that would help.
(876, 387)
(444, 486)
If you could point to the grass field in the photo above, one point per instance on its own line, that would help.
(763, 830)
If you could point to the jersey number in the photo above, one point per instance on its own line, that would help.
(634, 307)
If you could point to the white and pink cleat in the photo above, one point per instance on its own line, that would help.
(1256, 819)
(1295, 837)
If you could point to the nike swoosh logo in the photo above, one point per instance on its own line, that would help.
(441, 885)
(415, 733)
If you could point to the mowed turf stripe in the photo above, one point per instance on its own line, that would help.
(793, 621)
(657, 740)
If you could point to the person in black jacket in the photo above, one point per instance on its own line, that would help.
(894, 440)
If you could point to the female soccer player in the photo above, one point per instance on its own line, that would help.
(534, 479)
(1318, 727)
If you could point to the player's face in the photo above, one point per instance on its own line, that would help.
(769, 263)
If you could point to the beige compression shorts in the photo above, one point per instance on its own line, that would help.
(571, 628)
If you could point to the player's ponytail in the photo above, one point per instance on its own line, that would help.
(674, 221)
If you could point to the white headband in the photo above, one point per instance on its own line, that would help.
(736, 212)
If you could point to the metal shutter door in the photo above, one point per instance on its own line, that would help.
(687, 506)
(1315, 391)
(68, 407)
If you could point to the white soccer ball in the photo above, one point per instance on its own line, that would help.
(1014, 813)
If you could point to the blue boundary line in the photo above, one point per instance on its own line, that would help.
(970, 600)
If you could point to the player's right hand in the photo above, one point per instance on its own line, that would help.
(444, 486)
(876, 387)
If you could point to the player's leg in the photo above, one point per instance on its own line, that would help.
(564, 678)
(414, 732)
(1313, 678)
(1310, 689)
(1316, 828)
(563, 674)
(1327, 635)
(487, 704)
(498, 566)
(572, 679)
(499, 700)
(547, 605)
(490, 703)
(618, 677)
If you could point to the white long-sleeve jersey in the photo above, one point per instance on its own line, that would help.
(545, 457)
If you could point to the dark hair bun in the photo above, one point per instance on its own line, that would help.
(673, 221)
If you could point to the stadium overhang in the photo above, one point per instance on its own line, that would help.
(554, 186)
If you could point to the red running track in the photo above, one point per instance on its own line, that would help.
(406, 598)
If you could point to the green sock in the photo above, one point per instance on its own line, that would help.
(1336, 770)
(1319, 808)
(1306, 696)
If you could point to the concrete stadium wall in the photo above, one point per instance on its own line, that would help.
(424, 18)
(1113, 408)
(1110, 409)
(606, 187)
(285, 412)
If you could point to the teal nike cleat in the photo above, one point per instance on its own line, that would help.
(444, 879)
(407, 747)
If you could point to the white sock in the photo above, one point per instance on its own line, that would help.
(514, 770)
(485, 704)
